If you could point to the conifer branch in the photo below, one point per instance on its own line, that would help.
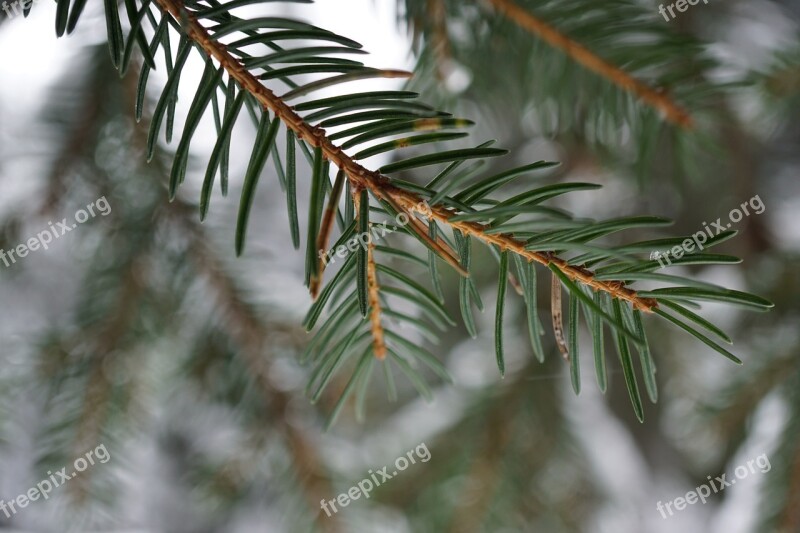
(582, 55)
(249, 333)
(379, 185)
(616, 289)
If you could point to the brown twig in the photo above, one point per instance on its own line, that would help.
(506, 242)
(326, 227)
(580, 54)
(423, 233)
(373, 292)
(440, 43)
(378, 342)
(379, 185)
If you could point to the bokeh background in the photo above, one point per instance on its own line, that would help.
(141, 331)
